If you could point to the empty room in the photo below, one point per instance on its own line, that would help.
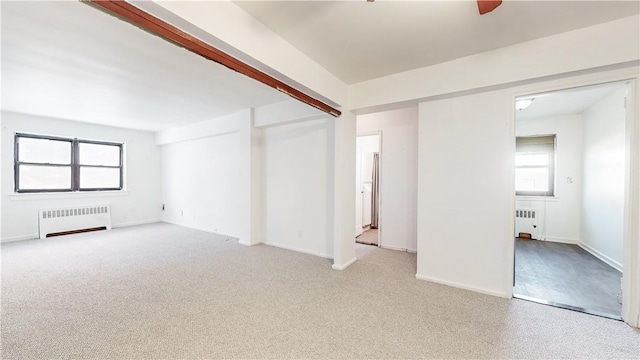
(183, 179)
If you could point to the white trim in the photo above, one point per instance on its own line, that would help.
(20, 238)
(594, 76)
(67, 195)
(380, 163)
(135, 223)
(201, 229)
(464, 287)
(601, 256)
(395, 248)
(247, 243)
(344, 266)
(561, 240)
(537, 198)
(292, 248)
(114, 226)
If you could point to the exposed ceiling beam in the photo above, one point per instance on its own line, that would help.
(169, 32)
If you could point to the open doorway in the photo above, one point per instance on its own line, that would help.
(570, 198)
(368, 189)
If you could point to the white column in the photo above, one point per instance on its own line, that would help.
(344, 250)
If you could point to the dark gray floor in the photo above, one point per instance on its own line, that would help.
(566, 274)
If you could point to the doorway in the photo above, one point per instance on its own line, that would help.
(368, 189)
(570, 198)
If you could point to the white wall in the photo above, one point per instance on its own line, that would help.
(139, 203)
(200, 184)
(398, 174)
(604, 178)
(558, 217)
(465, 195)
(298, 186)
(207, 174)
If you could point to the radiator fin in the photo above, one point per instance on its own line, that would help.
(527, 214)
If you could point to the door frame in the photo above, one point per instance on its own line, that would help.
(631, 267)
(380, 157)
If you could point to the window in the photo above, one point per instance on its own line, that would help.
(535, 165)
(53, 164)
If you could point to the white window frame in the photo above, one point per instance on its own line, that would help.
(538, 144)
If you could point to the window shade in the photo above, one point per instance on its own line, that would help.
(535, 143)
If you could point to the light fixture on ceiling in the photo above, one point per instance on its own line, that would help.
(523, 103)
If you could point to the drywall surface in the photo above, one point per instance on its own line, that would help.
(200, 184)
(465, 192)
(398, 174)
(612, 43)
(604, 177)
(139, 203)
(558, 217)
(297, 169)
(207, 176)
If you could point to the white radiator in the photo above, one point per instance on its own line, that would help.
(527, 222)
(51, 221)
(528, 214)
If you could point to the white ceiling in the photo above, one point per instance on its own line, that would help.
(357, 40)
(69, 60)
(73, 61)
(566, 102)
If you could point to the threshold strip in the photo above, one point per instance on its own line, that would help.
(568, 307)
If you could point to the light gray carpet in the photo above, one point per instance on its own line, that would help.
(162, 291)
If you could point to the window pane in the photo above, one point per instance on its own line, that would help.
(44, 151)
(97, 154)
(532, 159)
(536, 179)
(99, 178)
(44, 177)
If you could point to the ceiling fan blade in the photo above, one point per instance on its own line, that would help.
(485, 6)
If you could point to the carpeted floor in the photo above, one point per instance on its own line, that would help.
(162, 291)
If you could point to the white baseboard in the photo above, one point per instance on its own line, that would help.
(113, 226)
(397, 248)
(561, 240)
(201, 229)
(344, 266)
(20, 238)
(293, 248)
(135, 223)
(464, 287)
(614, 264)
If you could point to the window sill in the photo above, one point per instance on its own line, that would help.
(67, 195)
(537, 198)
